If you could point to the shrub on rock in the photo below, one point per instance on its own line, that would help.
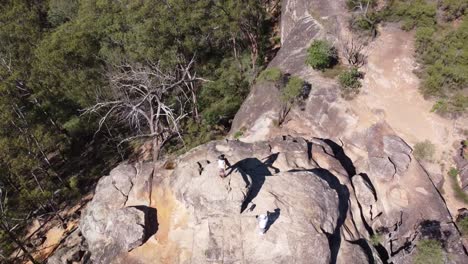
(321, 55)
(349, 82)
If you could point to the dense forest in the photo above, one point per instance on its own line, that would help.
(77, 79)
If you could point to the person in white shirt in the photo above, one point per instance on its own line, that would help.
(222, 166)
(262, 223)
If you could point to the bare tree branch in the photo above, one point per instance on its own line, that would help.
(149, 99)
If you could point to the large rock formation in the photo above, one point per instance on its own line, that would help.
(321, 209)
(108, 225)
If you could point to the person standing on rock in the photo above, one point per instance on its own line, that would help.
(222, 166)
(262, 223)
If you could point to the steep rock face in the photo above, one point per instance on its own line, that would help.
(202, 218)
(301, 204)
(106, 224)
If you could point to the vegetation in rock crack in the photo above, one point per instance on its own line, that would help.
(350, 83)
(463, 225)
(376, 239)
(292, 90)
(424, 150)
(459, 193)
(270, 75)
(429, 251)
(238, 134)
(321, 55)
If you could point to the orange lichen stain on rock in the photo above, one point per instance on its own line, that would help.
(171, 215)
(53, 238)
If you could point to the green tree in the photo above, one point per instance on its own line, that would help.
(321, 55)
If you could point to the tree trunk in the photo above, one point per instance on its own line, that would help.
(156, 149)
(19, 243)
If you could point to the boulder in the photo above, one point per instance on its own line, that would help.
(106, 224)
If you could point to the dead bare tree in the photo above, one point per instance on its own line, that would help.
(354, 50)
(9, 224)
(150, 100)
(362, 7)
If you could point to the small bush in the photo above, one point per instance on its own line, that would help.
(270, 74)
(463, 225)
(292, 90)
(413, 13)
(424, 150)
(321, 55)
(453, 9)
(376, 239)
(238, 134)
(453, 172)
(349, 82)
(429, 252)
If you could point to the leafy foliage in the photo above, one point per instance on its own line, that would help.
(453, 9)
(270, 74)
(350, 82)
(321, 55)
(429, 252)
(413, 13)
(292, 90)
(463, 225)
(376, 239)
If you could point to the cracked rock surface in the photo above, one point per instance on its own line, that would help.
(106, 224)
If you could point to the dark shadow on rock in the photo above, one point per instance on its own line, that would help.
(365, 248)
(344, 160)
(366, 178)
(334, 239)
(151, 221)
(257, 170)
(272, 217)
(431, 229)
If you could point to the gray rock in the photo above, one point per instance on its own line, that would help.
(122, 177)
(108, 227)
(398, 151)
(365, 193)
(382, 168)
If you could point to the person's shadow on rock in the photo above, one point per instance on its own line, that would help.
(272, 217)
(257, 170)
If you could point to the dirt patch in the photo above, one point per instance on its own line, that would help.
(390, 92)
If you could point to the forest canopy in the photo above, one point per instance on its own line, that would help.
(60, 57)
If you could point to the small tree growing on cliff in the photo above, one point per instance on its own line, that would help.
(148, 99)
(321, 55)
